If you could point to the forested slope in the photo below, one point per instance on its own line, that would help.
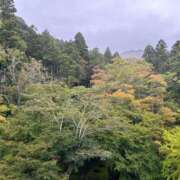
(68, 112)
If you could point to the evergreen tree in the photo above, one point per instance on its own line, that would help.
(108, 55)
(174, 86)
(9, 32)
(82, 46)
(175, 58)
(149, 54)
(34, 44)
(116, 55)
(175, 51)
(9, 36)
(96, 57)
(161, 64)
(7, 9)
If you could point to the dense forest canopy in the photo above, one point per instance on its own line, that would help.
(70, 112)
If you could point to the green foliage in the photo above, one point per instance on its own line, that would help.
(58, 114)
(65, 127)
(81, 45)
(171, 148)
(7, 9)
(97, 58)
(159, 56)
(131, 155)
(174, 82)
(167, 63)
(108, 55)
(9, 36)
(150, 54)
(52, 128)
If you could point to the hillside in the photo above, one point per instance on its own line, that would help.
(68, 112)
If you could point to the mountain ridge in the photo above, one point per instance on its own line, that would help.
(132, 54)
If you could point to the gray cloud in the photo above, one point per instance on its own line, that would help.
(120, 24)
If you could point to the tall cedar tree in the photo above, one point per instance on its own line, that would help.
(161, 64)
(150, 54)
(175, 68)
(82, 46)
(84, 53)
(9, 32)
(7, 9)
(108, 55)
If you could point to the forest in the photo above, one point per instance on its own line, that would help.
(68, 112)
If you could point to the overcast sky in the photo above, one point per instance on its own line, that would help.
(121, 24)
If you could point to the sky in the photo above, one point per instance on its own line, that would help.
(120, 24)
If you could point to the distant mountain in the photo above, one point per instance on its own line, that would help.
(132, 54)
